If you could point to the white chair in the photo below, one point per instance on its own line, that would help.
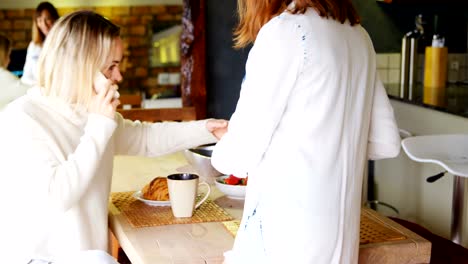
(451, 153)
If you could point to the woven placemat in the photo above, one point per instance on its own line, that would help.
(232, 226)
(374, 231)
(371, 231)
(140, 214)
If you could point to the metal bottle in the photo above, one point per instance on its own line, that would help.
(409, 59)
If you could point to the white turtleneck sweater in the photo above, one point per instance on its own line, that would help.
(11, 87)
(30, 65)
(56, 172)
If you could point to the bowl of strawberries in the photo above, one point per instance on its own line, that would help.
(232, 186)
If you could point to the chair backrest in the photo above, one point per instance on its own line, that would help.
(159, 114)
(128, 101)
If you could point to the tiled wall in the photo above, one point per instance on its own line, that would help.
(135, 23)
(457, 68)
(389, 64)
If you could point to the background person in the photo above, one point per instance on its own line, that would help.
(43, 20)
(60, 141)
(311, 112)
(10, 86)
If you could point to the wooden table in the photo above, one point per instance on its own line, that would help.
(206, 242)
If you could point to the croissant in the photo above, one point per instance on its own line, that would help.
(156, 190)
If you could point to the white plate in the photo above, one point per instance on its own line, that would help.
(139, 196)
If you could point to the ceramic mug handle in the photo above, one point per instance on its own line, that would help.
(206, 195)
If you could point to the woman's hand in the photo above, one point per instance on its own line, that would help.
(218, 127)
(104, 101)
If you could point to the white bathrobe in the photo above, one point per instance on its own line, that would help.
(311, 112)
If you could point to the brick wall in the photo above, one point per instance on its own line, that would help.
(135, 23)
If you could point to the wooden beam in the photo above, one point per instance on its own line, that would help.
(193, 56)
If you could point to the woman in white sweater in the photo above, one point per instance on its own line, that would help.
(311, 112)
(10, 86)
(58, 144)
(43, 20)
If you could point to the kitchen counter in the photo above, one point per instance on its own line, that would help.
(457, 98)
(175, 102)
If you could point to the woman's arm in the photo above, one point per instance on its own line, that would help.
(384, 138)
(160, 138)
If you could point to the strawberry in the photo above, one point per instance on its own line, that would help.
(232, 180)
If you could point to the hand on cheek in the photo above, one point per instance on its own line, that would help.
(105, 100)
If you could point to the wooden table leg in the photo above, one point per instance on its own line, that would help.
(113, 245)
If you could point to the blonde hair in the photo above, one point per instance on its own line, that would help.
(76, 48)
(253, 14)
(5, 49)
(37, 36)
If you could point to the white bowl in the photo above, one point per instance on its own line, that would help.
(200, 159)
(231, 191)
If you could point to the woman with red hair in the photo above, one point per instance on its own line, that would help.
(311, 112)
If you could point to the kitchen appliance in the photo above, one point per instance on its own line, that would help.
(200, 159)
(435, 70)
(409, 59)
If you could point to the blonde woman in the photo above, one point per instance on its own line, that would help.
(311, 112)
(10, 85)
(58, 147)
(43, 20)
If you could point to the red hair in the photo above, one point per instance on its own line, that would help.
(253, 14)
